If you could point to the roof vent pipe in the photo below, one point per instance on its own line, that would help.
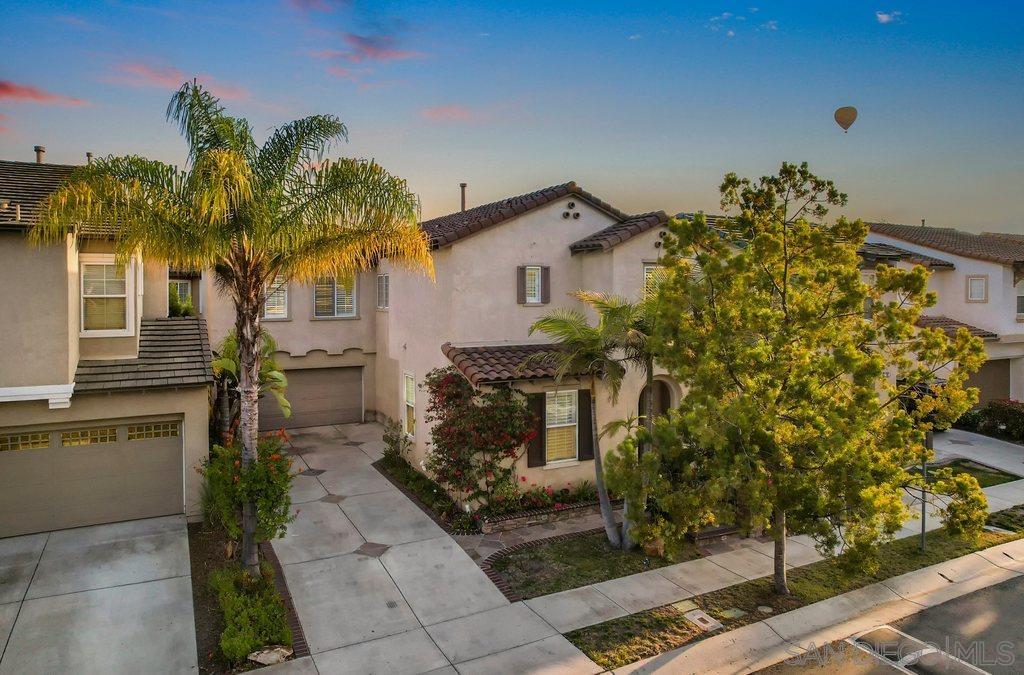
(462, 187)
(922, 222)
(88, 158)
(40, 152)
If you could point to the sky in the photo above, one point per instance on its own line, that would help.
(644, 104)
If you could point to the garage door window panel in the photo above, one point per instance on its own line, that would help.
(88, 436)
(29, 441)
(141, 432)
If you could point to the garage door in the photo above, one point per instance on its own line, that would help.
(992, 381)
(84, 475)
(318, 396)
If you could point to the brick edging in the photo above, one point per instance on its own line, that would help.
(299, 646)
(487, 564)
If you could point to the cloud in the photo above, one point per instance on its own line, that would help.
(770, 25)
(375, 48)
(730, 34)
(3, 127)
(888, 17)
(635, 36)
(341, 71)
(77, 22)
(26, 93)
(451, 114)
(142, 75)
(317, 5)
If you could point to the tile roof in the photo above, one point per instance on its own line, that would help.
(445, 230)
(485, 364)
(950, 326)
(27, 184)
(879, 252)
(619, 232)
(991, 247)
(172, 353)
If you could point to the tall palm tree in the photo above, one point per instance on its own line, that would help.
(257, 215)
(595, 351)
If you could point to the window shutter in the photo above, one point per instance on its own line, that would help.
(586, 448)
(521, 285)
(535, 448)
(545, 285)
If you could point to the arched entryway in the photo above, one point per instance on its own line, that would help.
(662, 399)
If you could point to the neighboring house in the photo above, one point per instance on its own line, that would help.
(979, 279)
(103, 400)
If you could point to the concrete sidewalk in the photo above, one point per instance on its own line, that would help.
(956, 443)
(379, 587)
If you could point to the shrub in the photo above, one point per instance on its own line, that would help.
(396, 441)
(178, 307)
(266, 483)
(476, 437)
(254, 615)
(970, 420)
(1004, 417)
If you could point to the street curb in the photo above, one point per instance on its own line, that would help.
(777, 638)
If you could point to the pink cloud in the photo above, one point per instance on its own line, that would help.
(26, 93)
(375, 48)
(142, 75)
(3, 128)
(446, 114)
(327, 53)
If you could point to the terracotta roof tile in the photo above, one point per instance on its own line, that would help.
(950, 326)
(172, 353)
(1002, 249)
(488, 364)
(619, 232)
(445, 230)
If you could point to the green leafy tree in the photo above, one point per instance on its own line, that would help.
(257, 215)
(226, 366)
(793, 415)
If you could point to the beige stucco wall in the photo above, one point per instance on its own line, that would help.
(191, 405)
(35, 313)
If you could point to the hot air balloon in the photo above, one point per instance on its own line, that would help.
(846, 116)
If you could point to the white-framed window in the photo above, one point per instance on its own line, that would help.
(1020, 297)
(534, 285)
(183, 287)
(107, 294)
(383, 291)
(977, 288)
(276, 306)
(561, 439)
(334, 299)
(409, 404)
(653, 273)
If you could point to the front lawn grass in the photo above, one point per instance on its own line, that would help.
(987, 476)
(630, 638)
(571, 563)
(1011, 519)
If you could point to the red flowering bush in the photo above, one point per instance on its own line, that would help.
(266, 483)
(476, 437)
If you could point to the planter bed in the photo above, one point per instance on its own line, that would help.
(513, 521)
(618, 642)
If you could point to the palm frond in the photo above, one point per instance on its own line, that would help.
(297, 144)
(202, 121)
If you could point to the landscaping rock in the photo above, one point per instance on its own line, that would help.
(271, 655)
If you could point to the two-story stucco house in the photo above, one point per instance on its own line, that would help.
(103, 400)
(979, 279)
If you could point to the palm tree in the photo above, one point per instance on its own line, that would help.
(257, 215)
(595, 351)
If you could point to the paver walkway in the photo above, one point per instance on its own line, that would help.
(379, 587)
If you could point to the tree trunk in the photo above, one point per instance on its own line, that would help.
(627, 524)
(224, 408)
(610, 528)
(779, 530)
(247, 328)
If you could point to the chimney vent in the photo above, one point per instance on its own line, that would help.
(922, 222)
(40, 153)
(88, 158)
(462, 188)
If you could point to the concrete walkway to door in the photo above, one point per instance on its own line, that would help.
(102, 599)
(379, 587)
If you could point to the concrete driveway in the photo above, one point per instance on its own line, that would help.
(101, 599)
(956, 443)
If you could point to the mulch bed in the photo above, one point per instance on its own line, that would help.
(206, 547)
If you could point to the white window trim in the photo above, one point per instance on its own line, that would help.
(977, 277)
(387, 291)
(334, 302)
(539, 299)
(178, 282)
(287, 303)
(650, 266)
(547, 425)
(129, 300)
(406, 403)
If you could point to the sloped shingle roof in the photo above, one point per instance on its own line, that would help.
(878, 252)
(950, 326)
(27, 184)
(445, 230)
(487, 364)
(619, 232)
(172, 353)
(1002, 249)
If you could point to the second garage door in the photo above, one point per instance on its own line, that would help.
(318, 396)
